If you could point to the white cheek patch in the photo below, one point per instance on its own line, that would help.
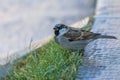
(63, 31)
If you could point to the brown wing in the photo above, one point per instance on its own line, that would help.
(77, 34)
(87, 34)
(73, 34)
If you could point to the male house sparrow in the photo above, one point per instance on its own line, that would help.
(75, 38)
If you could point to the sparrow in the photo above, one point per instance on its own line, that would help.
(75, 38)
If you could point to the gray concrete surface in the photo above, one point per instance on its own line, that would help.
(24, 20)
(30, 22)
(102, 57)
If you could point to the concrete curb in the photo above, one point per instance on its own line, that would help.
(6, 63)
(21, 21)
(102, 57)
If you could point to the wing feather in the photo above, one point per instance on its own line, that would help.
(78, 34)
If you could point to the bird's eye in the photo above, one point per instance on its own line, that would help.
(60, 27)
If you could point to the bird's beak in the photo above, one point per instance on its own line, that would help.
(56, 29)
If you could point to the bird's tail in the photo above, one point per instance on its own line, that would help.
(97, 35)
(105, 36)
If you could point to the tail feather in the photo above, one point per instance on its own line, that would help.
(105, 36)
(98, 35)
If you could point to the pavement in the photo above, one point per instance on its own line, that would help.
(102, 57)
(29, 22)
(26, 22)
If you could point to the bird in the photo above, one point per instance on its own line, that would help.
(75, 38)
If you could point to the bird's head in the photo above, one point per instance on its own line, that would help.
(58, 28)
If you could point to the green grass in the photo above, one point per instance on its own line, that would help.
(50, 62)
